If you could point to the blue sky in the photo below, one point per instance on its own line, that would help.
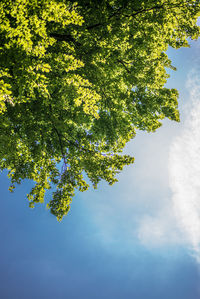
(138, 239)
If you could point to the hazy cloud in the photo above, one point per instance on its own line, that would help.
(160, 230)
(184, 169)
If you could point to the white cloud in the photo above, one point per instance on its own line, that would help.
(177, 221)
(184, 170)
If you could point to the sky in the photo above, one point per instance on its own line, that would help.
(137, 239)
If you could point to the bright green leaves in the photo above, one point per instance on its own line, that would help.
(61, 13)
(105, 166)
(70, 179)
(151, 106)
(77, 79)
(84, 95)
(25, 41)
(96, 165)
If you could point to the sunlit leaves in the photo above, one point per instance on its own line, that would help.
(77, 80)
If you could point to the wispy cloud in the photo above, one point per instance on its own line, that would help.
(184, 169)
(160, 230)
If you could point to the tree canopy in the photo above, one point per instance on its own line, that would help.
(78, 79)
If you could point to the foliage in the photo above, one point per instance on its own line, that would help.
(78, 78)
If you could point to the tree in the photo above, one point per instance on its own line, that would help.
(78, 78)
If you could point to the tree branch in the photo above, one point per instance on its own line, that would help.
(136, 12)
(122, 62)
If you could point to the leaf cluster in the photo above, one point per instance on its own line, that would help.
(77, 80)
